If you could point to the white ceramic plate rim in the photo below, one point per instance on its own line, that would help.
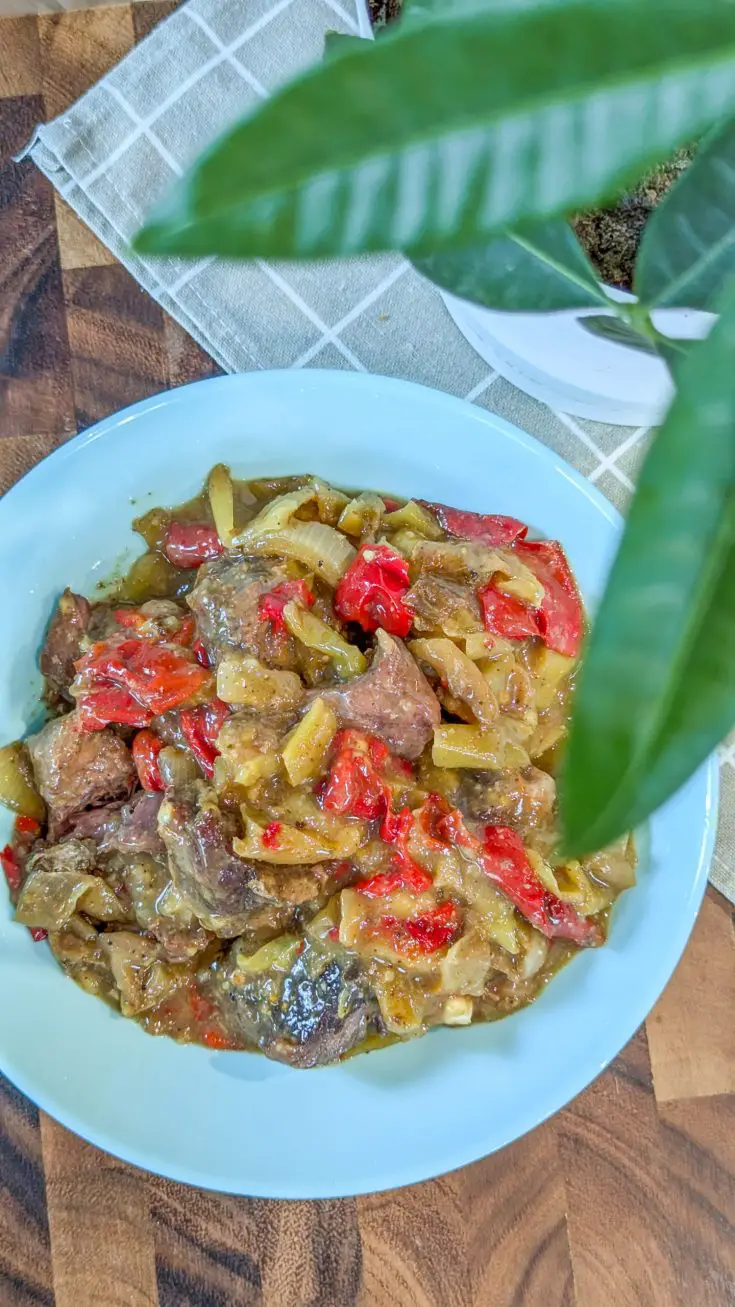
(347, 390)
(551, 358)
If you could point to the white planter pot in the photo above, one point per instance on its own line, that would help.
(550, 356)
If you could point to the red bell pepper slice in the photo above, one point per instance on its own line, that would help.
(189, 544)
(185, 633)
(38, 934)
(201, 726)
(503, 859)
(426, 933)
(272, 603)
(131, 619)
(145, 750)
(410, 877)
(489, 528)
(110, 706)
(271, 837)
(354, 786)
(156, 676)
(560, 619)
(506, 615)
(358, 780)
(372, 589)
(27, 827)
(200, 653)
(11, 868)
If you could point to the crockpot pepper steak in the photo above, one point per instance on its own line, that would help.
(296, 792)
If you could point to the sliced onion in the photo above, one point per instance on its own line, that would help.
(176, 767)
(275, 516)
(222, 502)
(16, 791)
(320, 548)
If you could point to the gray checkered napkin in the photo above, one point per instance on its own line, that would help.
(118, 149)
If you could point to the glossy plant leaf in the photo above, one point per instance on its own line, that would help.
(339, 43)
(657, 687)
(535, 269)
(688, 245)
(674, 352)
(616, 331)
(452, 128)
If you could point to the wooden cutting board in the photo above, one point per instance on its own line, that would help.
(625, 1199)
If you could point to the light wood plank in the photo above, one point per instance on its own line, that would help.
(20, 60)
(691, 1031)
(78, 47)
(78, 245)
(414, 1246)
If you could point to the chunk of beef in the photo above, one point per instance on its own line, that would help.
(76, 769)
(63, 644)
(392, 700)
(228, 895)
(213, 882)
(225, 604)
(520, 799)
(138, 830)
(309, 1016)
(439, 604)
(123, 827)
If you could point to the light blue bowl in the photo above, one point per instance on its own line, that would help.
(235, 1121)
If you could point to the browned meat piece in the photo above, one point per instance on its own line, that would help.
(225, 604)
(63, 644)
(228, 895)
(123, 828)
(211, 880)
(78, 769)
(521, 799)
(392, 700)
(442, 605)
(320, 1010)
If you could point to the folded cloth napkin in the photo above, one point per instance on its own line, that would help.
(119, 148)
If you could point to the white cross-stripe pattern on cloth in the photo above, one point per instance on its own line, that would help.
(120, 147)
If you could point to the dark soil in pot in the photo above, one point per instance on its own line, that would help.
(611, 236)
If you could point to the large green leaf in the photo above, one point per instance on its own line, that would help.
(616, 331)
(450, 129)
(688, 246)
(535, 268)
(657, 689)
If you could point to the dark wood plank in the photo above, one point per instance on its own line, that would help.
(187, 361)
(18, 454)
(118, 352)
(206, 1247)
(147, 14)
(310, 1253)
(25, 1257)
(35, 381)
(101, 1238)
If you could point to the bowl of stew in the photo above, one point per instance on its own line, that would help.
(290, 666)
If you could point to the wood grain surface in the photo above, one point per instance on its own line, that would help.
(625, 1199)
